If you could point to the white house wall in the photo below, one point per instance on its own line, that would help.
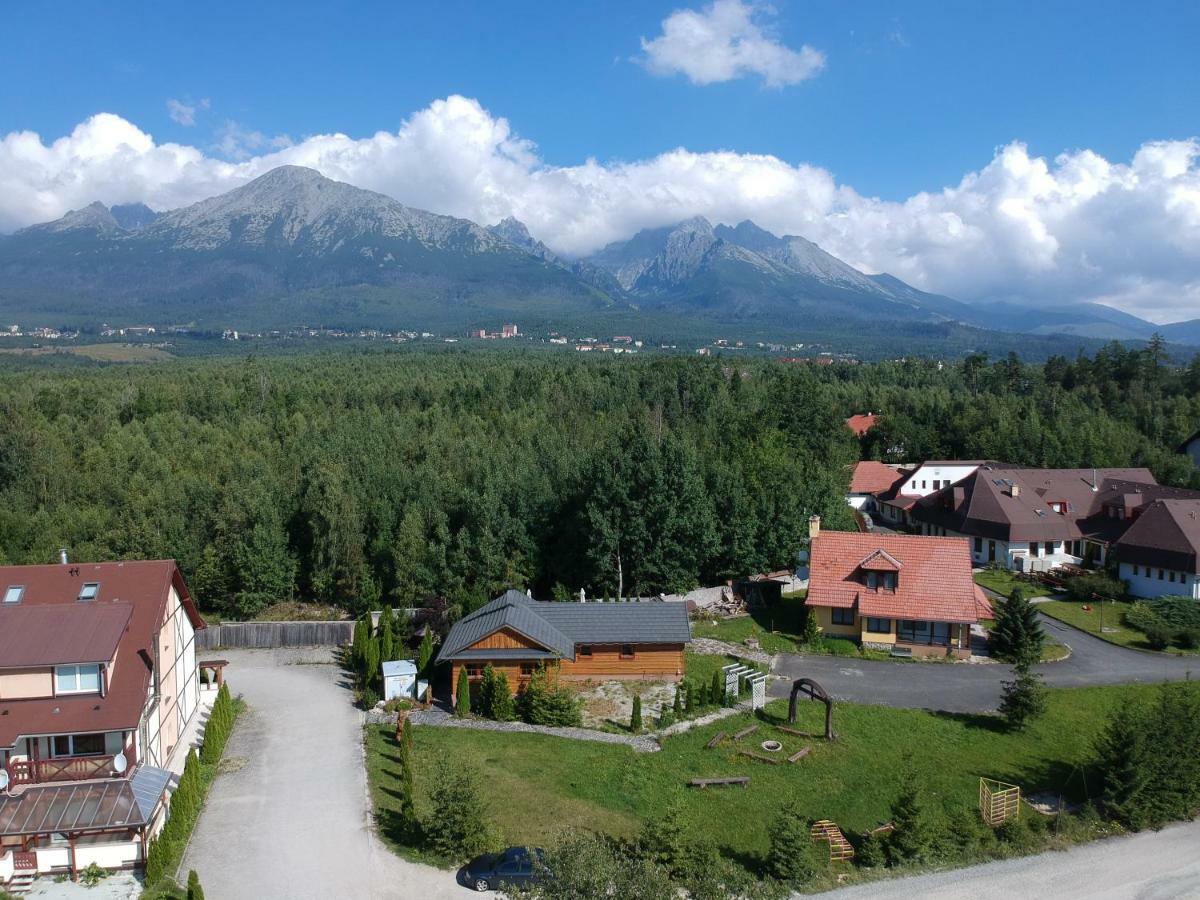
(920, 483)
(1150, 586)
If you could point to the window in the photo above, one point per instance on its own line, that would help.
(76, 679)
(889, 581)
(1160, 574)
(913, 632)
(526, 669)
(1135, 569)
(89, 591)
(585, 649)
(1049, 548)
(627, 651)
(880, 626)
(1033, 548)
(13, 593)
(842, 616)
(474, 670)
(978, 545)
(873, 580)
(78, 745)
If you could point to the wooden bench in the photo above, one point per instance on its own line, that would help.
(745, 731)
(796, 731)
(800, 754)
(743, 780)
(717, 738)
(767, 759)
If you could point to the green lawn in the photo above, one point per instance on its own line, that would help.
(534, 785)
(1002, 582)
(777, 627)
(1115, 629)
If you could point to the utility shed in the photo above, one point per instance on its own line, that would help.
(399, 679)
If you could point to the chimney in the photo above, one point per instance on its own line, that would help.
(814, 526)
(62, 556)
(960, 496)
(1015, 491)
(1095, 486)
(582, 595)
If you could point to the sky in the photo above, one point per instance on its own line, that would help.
(1042, 152)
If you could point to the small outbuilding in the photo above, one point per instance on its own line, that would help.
(399, 679)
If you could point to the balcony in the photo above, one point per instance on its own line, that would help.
(74, 768)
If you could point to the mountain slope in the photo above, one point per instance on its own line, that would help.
(285, 248)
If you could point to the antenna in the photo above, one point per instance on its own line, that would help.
(120, 764)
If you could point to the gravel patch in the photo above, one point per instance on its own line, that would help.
(438, 718)
(713, 647)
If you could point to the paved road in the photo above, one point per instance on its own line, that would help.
(1152, 866)
(976, 688)
(293, 821)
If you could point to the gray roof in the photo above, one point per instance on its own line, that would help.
(559, 627)
(84, 806)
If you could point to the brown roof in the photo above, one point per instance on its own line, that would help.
(1012, 504)
(139, 587)
(872, 477)
(83, 632)
(860, 424)
(934, 582)
(1166, 535)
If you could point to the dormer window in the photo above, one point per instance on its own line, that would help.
(89, 591)
(889, 581)
(77, 679)
(873, 580)
(14, 593)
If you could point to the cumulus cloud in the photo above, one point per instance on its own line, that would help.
(1022, 227)
(723, 42)
(185, 113)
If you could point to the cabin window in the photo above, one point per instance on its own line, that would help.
(76, 679)
(89, 591)
(526, 669)
(585, 649)
(842, 616)
(978, 545)
(78, 745)
(13, 593)
(879, 626)
(474, 670)
(627, 651)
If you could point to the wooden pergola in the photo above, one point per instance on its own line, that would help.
(216, 666)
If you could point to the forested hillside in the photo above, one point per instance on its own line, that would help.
(359, 479)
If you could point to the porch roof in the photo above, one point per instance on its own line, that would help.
(84, 806)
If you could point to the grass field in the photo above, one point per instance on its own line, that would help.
(1115, 629)
(535, 785)
(1003, 582)
(100, 352)
(777, 628)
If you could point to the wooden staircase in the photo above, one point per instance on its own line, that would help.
(840, 849)
(24, 872)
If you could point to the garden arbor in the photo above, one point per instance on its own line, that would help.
(813, 691)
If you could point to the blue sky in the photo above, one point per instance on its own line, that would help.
(906, 98)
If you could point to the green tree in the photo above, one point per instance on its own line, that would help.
(677, 705)
(811, 636)
(792, 859)
(457, 827)
(387, 639)
(1023, 698)
(462, 695)
(194, 890)
(581, 864)
(425, 653)
(716, 690)
(1123, 760)
(915, 836)
(407, 813)
(665, 841)
(635, 719)
(1017, 634)
(495, 697)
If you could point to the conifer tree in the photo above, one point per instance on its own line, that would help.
(690, 705)
(194, 891)
(811, 637)
(716, 690)
(915, 834)
(1017, 634)
(677, 706)
(1024, 698)
(1123, 760)
(664, 840)
(425, 653)
(462, 695)
(792, 858)
(635, 720)
(387, 646)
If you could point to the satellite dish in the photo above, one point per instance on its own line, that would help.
(3, 780)
(120, 763)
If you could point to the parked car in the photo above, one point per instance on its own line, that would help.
(512, 868)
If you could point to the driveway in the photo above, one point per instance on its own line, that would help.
(1162, 866)
(289, 817)
(971, 688)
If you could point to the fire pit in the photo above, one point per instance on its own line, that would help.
(772, 746)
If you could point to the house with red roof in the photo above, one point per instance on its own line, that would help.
(861, 423)
(98, 682)
(870, 480)
(902, 594)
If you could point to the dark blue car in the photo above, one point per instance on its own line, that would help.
(512, 868)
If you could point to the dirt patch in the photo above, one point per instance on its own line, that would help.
(607, 702)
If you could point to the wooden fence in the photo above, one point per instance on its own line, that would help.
(267, 635)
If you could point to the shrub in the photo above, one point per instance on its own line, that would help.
(677, 706)
(716, 689)
(811, 636)
(1177, 612)
(1086, 588)
(92, 875)
(194, 891)
(1188, 638)
(1158, 637)
(635, 719)
(581, 864)
(839, 647)
(544, 703)
(872, 851)
(1142, 617)
(495, 698)
(457, 827)
(368, 698)
(792, 859)
(462, 697)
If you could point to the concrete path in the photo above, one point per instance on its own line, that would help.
(1162, 866)
(290, 817)
(961, 687)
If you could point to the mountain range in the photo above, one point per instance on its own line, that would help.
(293, 247)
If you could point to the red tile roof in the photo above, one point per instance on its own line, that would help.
(872, 477)
(860, 424)
(141, 586)
(934, 582)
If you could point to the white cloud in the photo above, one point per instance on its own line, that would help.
(1076, 227)
(239, 143)
(724, 42)
(185, 113)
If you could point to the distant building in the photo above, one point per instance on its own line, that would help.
(509, 331)
(1191, 447)
(862, 423)
(870, 480)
